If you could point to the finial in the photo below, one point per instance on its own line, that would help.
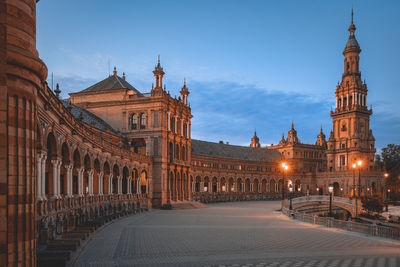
(352, 14)
(115, 71)
(184, 82)
(292, 125)
(255, 132)
(165, 87)
(321, 128)
(57, 91)
(123, 76)
(158, 59)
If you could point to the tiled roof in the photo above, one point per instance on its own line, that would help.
(88, 117)
(112, 82)
(221, 150)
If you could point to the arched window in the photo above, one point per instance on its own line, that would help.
(347, 67)
(134, 122)
(142, 121)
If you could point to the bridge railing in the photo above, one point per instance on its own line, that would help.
(365, 228)
(317, 198)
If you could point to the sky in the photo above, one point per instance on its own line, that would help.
(248, 64)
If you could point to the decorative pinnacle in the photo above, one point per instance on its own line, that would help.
(352, 14)
(57, 91)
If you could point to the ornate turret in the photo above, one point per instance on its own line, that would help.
(184, 93)
(255, 141)
(158, 76)
(292, 136)
(321, 141)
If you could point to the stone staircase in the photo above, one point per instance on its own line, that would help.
(187, 205)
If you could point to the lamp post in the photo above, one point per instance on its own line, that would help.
(330, 187)
(355, 166)
(386, 175)
(290, 196)
(285, 168)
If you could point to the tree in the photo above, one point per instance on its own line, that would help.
(372, 204)
(391, 161)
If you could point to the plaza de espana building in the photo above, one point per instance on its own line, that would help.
(111, 150)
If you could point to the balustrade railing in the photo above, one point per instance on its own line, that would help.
(365, 228)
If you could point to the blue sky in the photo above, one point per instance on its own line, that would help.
(248, 64)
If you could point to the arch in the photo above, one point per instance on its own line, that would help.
(171, 151)
(230, 185)
(197, 184)
(239, 185)
(88, 168)
(272, 186)
(134, 121)
(297, 186)
(255, 186)
(96, 174)
(75, 172)
(143, 182)
(51, 146)
(336, 189)
(142, 121)
(134, 181)
(214, 185)
(65, 157)
(223, 185)
(264, 185)
(206, 184)
(178, 185)
(171, 185)
(177, 151)
(106, 169)
(125, 173)
(115, 178)
(247, 185)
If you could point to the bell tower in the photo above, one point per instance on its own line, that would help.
(351, 138)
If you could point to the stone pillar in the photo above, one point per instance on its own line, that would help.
(100, 183)
(201, 186)
(90, 185)
(58, 195)
(119, 187)
(39, 160)
(80, 181)
(138, 186)
(56, 176)
(43, 180)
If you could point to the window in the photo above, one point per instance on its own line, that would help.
(155, 118)
(142, 121)
(155, 146)
(134, 122)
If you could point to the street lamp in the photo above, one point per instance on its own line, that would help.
(285, 168)
(290, 196)
(330, 187)
(386, 175)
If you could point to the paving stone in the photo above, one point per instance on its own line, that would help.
(232, 234)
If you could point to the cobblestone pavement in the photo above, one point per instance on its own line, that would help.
(232, 234)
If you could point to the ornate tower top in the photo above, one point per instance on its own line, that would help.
(158, 76)
(184, 92)
(255, 141)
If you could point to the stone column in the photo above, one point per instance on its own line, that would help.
(201, 186)
(43, 180)
(69, 179)
(138, 186)
(119, 191)
(59, 179)
(80, 181)
(90, 185)
(39, 160)
(56, 176)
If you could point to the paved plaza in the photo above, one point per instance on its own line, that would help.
(232, 234)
